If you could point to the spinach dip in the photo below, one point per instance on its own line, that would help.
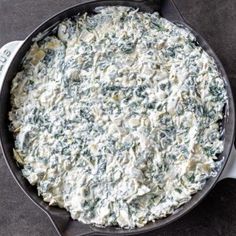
(116, 117)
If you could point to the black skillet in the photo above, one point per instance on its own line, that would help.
(60, 218)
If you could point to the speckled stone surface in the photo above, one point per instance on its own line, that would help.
(216, 214)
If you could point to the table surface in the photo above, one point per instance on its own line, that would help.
(215, 215)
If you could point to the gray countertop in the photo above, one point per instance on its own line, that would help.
(216, 214)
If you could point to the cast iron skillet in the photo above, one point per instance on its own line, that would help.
(60, 218)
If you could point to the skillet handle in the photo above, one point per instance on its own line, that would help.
(230, 168)
(169, 10)
(7, 52)
(166, 8)
(65, 226)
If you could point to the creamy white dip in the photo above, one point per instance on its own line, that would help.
(116, 118)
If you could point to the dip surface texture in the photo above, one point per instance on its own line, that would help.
(117, 117)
